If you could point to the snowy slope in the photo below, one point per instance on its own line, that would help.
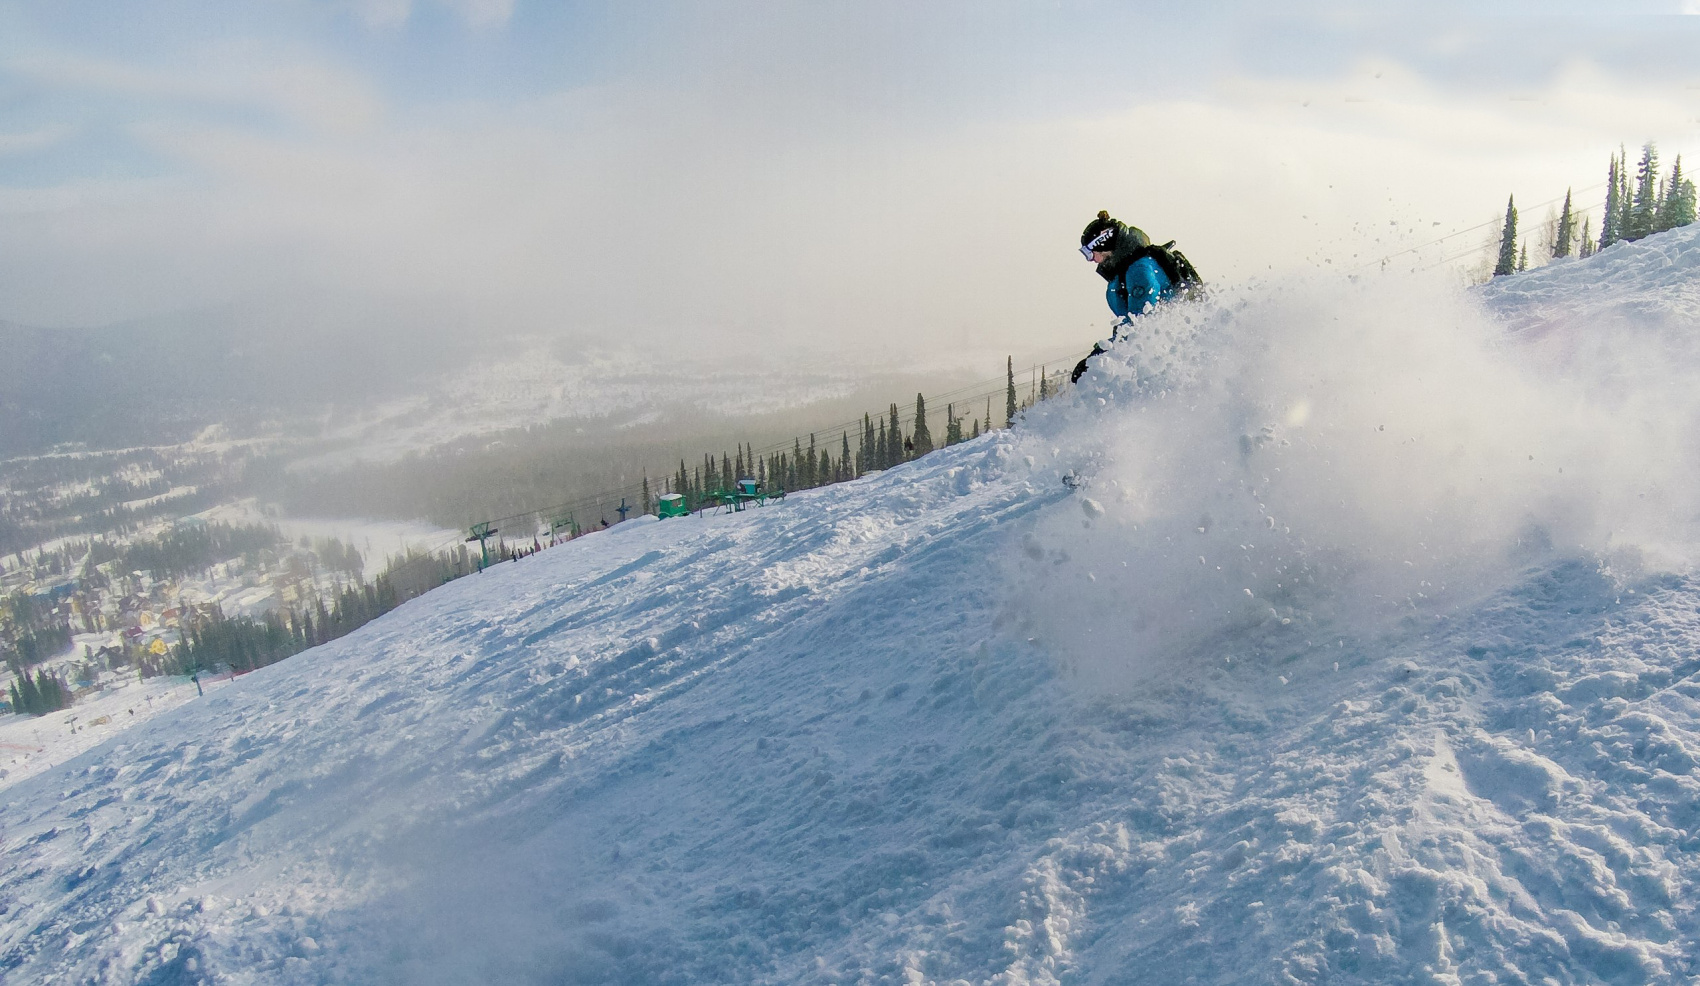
(1366, 653)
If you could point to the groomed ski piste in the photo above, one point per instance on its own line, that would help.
(1362, 647)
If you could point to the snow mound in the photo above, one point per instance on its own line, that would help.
(1328, 673)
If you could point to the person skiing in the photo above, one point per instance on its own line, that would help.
(1139, 274)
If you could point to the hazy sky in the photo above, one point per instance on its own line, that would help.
(870, 176)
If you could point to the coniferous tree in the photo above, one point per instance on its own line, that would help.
(1585, 244)
(952, 426)
(1609, 232)
(46, 693)
(1009, 395)
(895, 442)
(39, 694)
(1678, 207)
(923, 436)
(866, 461)
(881, 452)
(1625, 196)
(1523, 258)
(846, 466)
(646, 504)
(1644, 209)
(1561, 245)
(1044, 385)
(812, 478)
(1508, 241)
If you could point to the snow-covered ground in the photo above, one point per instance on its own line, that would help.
(1362, 648)
(149, 501)
(30, 745)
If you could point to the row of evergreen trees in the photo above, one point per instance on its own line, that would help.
(22, 648)
(1634, 209)
(1651, 205)
(39, 694)
(190, 549)
(30, 632)
(244, 643)
(883, 443)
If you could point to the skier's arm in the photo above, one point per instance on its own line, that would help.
(1115, 294)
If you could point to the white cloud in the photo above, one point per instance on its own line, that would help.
(483, 13)
(33, 140)
(384, 13)
(732, 204)
(395, 13)
(612, 211)
(241, 75)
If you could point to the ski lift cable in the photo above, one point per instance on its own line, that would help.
(1460, 256)
(1472, 229)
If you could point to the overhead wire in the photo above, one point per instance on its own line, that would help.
(1472, 229)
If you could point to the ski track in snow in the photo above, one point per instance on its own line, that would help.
(820, 742)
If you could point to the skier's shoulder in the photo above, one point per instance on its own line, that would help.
(1173, 263)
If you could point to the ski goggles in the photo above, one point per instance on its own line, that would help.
(1096, 243)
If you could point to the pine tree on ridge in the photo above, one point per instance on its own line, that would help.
(1508, 241)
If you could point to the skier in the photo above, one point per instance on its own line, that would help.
(1139, 273)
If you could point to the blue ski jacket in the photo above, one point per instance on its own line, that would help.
(1139, 286)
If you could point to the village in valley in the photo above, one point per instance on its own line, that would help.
(118, 564)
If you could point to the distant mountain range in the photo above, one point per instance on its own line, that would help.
(162, 380)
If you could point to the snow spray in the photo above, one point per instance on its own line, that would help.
(1286, 463)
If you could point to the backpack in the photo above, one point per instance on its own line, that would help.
(1180, 271)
